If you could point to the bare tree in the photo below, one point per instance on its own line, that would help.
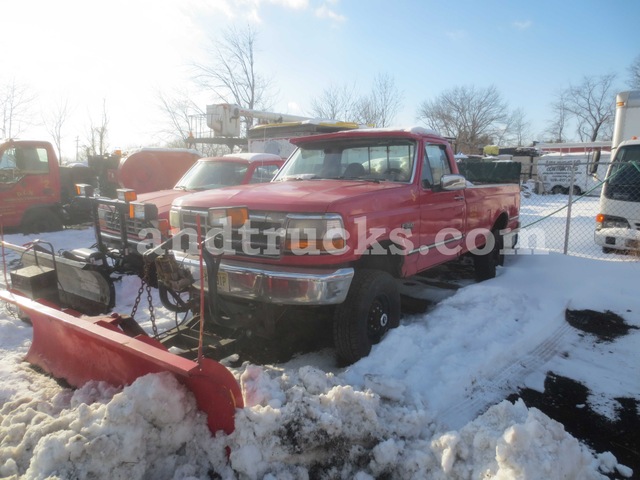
(231, 75)
(634, 74)
(179, 110)
(341, 102)
(556, 128)
(336, 102)
(15, 103)
(54, 122)
(518, 131)
(382, 105)
(474, 116)
(591, 103)
(97, 138)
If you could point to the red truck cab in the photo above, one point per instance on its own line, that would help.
(30, 186)
(346, 214)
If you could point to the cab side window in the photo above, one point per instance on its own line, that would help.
(264, 173)
(32, 159)
(435, 165)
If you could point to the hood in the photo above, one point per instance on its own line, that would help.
(162, 199)
(291, 196)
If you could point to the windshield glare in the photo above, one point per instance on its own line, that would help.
(206, 175)
(381, 160)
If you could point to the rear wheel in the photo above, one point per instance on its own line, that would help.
(557, 190)
(371, 308)
(41, 220)
(485, 263)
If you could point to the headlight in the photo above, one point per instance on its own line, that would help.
(126, 195)
(237, 216)
(608, 221)
(143, 211)
(174, 218)
(309, 234)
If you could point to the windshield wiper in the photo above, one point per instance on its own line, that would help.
(300, 176)
(364, 179)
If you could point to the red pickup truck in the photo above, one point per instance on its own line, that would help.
(348, 214)
(124, 236)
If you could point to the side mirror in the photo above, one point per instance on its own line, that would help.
(593, 169)
(453, 182)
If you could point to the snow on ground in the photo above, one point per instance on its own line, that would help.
(426, 403)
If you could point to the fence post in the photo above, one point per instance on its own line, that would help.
(568, 224)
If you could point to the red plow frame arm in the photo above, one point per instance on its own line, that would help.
(93, 348)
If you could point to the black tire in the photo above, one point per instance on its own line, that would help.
(557, 190)
(41, 220)
(485, 264)
(608, 250)
(371, 308)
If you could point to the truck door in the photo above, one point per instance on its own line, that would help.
(441, 212)
(25, 181)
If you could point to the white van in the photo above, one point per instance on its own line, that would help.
(555, 172)
(618, 220)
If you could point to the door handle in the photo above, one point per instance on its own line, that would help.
(459, 197)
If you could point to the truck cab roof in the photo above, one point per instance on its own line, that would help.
(395, 132)
(245, 157)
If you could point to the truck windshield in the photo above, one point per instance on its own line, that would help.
(204, 175)
(623, 181)
(362, 159)
(625, 169)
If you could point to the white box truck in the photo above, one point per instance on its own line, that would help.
(618, 220)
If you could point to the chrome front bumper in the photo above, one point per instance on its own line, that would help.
(275, 284)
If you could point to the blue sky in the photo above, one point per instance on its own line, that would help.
(124, 52)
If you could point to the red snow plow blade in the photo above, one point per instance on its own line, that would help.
(95, 348)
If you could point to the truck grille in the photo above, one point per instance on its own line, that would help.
(262, 242)
(111, 220)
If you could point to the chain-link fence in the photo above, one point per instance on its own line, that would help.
(576, 209)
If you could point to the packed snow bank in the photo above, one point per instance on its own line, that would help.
(328, 430)
(306, 425)
(150, 429)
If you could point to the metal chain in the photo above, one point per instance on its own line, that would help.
(134, 310)
(144, 284)
(152, 315)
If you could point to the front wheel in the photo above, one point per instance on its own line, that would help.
(371, 308)
(41, 220)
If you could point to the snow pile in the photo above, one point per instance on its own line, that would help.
(150, 429)
(306, 425)
(511, 441)
(327, 430)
